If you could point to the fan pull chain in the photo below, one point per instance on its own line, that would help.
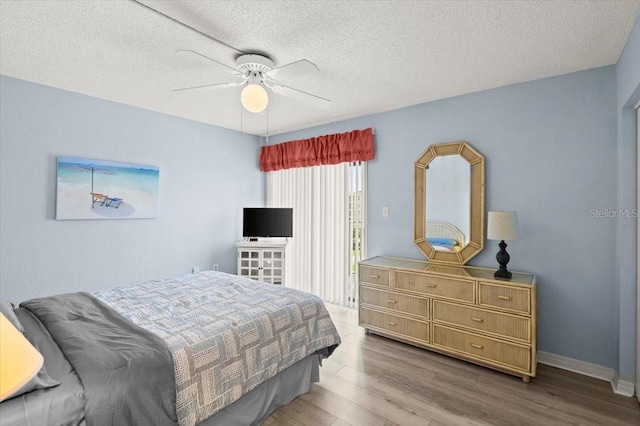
(241, 121)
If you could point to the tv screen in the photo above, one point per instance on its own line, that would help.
(267, 222)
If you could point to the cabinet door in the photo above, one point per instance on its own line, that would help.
(250, 264)
(272, 266)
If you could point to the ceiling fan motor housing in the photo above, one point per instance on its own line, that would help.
(254, 63)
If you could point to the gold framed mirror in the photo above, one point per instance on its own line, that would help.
(449, 203)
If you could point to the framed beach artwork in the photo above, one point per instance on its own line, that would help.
(97, 189)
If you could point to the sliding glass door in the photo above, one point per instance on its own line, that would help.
(329, 230)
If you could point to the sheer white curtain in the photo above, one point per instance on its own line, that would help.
(318, 253)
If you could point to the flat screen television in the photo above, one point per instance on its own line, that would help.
(267, 222)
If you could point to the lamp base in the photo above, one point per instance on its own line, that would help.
(503, 274)
(503, 258)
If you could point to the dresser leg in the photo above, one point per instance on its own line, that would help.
(526, 379)
(366, 331)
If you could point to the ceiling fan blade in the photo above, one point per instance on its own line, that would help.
(294, 69)
(193, 54)
(211, 86)
(301, 96)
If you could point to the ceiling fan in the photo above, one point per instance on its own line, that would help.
(256, 72)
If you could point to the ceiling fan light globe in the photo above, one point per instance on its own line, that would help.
(254, 98)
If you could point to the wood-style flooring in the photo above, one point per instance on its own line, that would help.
(371, 380)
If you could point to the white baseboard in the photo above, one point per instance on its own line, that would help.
(619, 386)
(622, 387)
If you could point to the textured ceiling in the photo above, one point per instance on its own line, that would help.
(373, 56)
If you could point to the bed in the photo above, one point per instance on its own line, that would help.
(208, 348)
(444, 236)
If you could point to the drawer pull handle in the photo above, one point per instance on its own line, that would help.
(476, 346)
(477, 319)
(375, 276)
(391, 323)
(430, 285)
(391, 301)
(504, 297)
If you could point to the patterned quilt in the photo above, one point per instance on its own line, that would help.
(227, 334)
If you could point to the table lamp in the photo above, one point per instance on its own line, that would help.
(502, 226)
(19, 360)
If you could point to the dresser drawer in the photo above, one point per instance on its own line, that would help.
(449, 288)
(509, 298)
(508, 354)
(511, 326)
(374, 276)
(397, 302)
(410, 328)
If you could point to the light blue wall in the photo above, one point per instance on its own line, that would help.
(207, 174)
(551, 149)
(628, 95)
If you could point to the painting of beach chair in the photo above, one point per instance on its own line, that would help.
(113, 202)
(98, 198)
(118, 190)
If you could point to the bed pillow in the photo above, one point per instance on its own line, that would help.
(41, 380)
(7, 310)
(446, 242)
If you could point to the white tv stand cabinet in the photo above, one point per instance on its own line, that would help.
(263, 260)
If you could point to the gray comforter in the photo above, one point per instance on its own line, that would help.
(126, 371)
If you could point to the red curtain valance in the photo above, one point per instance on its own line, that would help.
(330, 149)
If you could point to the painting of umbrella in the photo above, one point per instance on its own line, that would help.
(99, 189)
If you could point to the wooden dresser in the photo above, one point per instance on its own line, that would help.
(460, 311)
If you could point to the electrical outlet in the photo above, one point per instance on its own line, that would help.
(195, 269)
(385, 212)
(215, 266)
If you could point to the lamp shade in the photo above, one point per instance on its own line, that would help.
(254, 98)
(502, 226)
(19, 360)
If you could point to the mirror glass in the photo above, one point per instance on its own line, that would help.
(449, 202)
